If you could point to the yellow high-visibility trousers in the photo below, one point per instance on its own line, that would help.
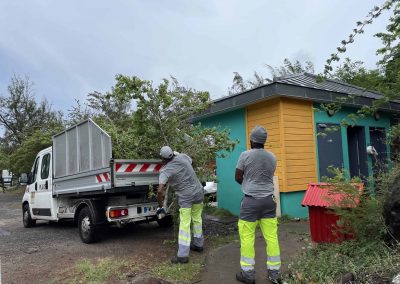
(247, 229)
(187, 217)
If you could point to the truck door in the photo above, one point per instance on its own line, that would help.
(32, 187)
(44, 200)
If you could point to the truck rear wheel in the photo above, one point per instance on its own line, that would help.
(87, 229)
(27, 218)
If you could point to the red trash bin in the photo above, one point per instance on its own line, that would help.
(323, 221)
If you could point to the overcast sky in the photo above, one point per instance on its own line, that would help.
(70, 48)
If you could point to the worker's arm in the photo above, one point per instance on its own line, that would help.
(239, 176)
(160, 194)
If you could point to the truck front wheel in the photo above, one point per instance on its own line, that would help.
(87, 228)
(26, 217)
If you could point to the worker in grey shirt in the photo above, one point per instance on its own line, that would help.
(255, 171)
(179, 174)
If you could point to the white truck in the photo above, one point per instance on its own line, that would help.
(77, 179)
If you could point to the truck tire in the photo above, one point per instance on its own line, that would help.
(87, 229)
(165, 222)
(27, 218)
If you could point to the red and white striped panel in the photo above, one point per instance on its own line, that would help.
(104, 177)
(138, 168)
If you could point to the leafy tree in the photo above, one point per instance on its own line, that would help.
(78, 113)
(23, 157)
(354, 72)
(290, 68)
(161, 116)
(21, 115)
(240, 85)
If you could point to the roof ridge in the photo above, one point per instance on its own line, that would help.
(346, 84)
(288, 76)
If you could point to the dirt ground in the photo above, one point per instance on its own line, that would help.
(38, 254)
(45, 252)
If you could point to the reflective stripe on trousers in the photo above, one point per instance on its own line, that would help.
(188, 216)
(269, 228)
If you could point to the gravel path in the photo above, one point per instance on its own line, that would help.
(38, 254)
(41, 253)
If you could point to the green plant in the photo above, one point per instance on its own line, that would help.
(361, 213)
(179, 273)
(324, 263)
(97, 271)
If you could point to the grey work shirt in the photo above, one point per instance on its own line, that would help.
(259, 167)
(181, 177)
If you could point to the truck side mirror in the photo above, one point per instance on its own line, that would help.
(24, 178)
(30, 178)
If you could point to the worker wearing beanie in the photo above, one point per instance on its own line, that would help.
(255, 171)
(179, 174)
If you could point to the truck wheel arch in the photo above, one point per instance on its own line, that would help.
(23, 203)
(96, 207)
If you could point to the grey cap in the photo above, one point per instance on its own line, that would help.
(258, 135)
(166, 152)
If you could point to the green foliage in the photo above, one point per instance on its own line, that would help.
(179, 273)
(102, 270)
(24, 156)
(324, 263)
(374, 13)
(162, 117)
(139, 117)
(361, 214)
(354, 72)
(21, 115)
(289, 67)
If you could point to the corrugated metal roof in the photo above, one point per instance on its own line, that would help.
(310, 81)
(321, 195)
(303, 86)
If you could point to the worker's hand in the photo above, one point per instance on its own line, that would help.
(161, 213)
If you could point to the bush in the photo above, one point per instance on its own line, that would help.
(361, 213)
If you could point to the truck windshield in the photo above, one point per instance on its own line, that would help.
(35, 169)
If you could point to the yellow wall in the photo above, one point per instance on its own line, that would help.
(267, 114)
(290, 128)
(299, 141)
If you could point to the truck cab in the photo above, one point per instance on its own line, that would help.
(38, 193)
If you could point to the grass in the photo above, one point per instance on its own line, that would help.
(179, 273)
(188, 273)
(97, 271)
(368, 261)
(111, 270)
(14, 189)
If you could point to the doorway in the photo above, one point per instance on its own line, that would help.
(358, 159)
(329, 139)
(378, 141)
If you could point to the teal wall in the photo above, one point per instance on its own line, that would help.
(229, 192)
(322, 117)
(291, 204)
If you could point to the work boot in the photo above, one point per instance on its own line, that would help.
(274, 276)
(242, 278)
(196, 248)
(177, 259)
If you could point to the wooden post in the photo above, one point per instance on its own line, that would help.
(277, 197)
